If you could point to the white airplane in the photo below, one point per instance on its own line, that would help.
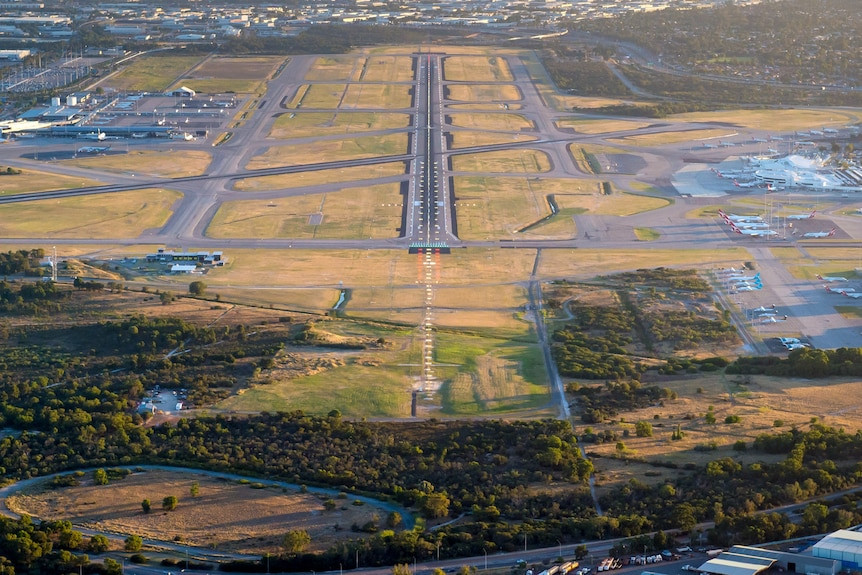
(758, 140)
(792, 346)
(831, 278)
(98, 136)
(751, 225)
(749, 288)
(802, 216)
(854, 295)
(754, 278)
(746, 184)
(709, 146)
(762, 309)
(816, 133)
(843, 291)
(830, 131)
(737, 219)
(93, 149)
(828, 234)
(755, 233)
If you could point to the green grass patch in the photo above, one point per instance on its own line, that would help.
(152, 73)
(31, 181)
(646, 234)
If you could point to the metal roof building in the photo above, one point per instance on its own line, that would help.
(844, 546)
(736, 564)
(792, 562)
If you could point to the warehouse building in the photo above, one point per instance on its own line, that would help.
(744, 560)
(844, 546)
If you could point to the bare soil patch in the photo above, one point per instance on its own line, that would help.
(226, 515)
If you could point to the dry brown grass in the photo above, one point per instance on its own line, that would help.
(760, 401)
(225, 515)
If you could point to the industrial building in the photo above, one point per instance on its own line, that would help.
(844, 546)
(743, 560)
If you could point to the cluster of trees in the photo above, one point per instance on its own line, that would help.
(808, 41)
(806, 362)
(584, 78)
(666, 279)
(687, 328)
(657, 110)
(27, 262)
(604, 402)
(818, 462)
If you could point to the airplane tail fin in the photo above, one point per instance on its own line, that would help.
(811, 215)
(819, 277)
(831, 233)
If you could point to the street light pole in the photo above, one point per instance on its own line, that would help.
(485, 551)
(560, 547)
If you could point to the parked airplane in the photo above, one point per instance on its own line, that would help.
(762, 309)
(758, 140)
(93, 149)
(755, 277)
(750, 225)
(842, 291)
(755, 233)
(854, 295)
(828, 234)
(749, 288)
(736, 219)
(802, 216)
(746, 184)
(97, 135)
(830, 130)
(831, 278)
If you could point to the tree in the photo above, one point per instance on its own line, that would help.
(166, 298)
(146, 506)
(98, 544)
(197, 288)
(401, 569)
(435, 505)
(296, 540)
(170, 502)
(100, 477)
(113, 567)
(581, 551)
(643, 429)
(394, 520)
(195, 489)
(134, 543)
(71, 539)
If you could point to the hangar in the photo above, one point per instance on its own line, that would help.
(844, 546)
(744, 560)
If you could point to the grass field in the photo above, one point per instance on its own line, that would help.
(334, 68)
(317, 177)
(776, 120)
(304, 125)
(672, 137)
(231, 74)
(162, 163)
(646, 234)
(330, 151)
(599, 126)
(327, 96)
(353, 213)
(501, 121)
(388, 69)
(555, 99)
(484, 93)
(483, 107)
(476, 69)
(586, 263)
(504, 161)
(758, 400)
(34, 181)
(470, 138)
(152, 73)
(492, 377)
(377, 96)
(225, 515)
(311, 300)
(357, 384)
(315, 269)
(115, 215)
